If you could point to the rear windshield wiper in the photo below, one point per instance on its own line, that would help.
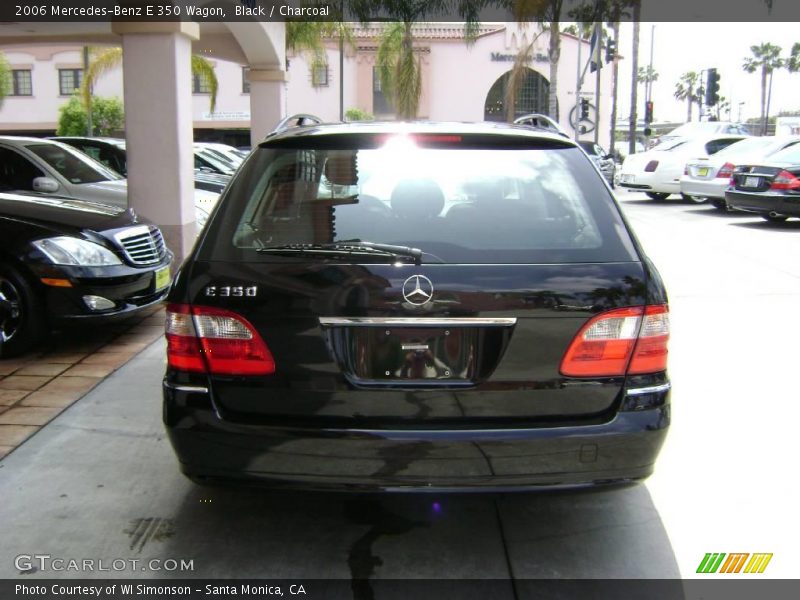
(347, 248)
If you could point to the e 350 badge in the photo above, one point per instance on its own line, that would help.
(231, 291)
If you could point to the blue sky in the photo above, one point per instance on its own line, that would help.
(681, 47)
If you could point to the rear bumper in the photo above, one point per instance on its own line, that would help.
(765, 203)
(617, 452)
(711, 188)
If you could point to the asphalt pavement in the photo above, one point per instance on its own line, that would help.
(100, 480)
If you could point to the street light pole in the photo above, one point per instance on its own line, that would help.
(578, 89)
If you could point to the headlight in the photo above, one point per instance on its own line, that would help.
(66, 250)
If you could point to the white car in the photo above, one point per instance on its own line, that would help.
(699, 128)
(222, 152)
(709, 177)
(48, 167)
(658, 171)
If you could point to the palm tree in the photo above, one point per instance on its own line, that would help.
(308, 38)
(548, 14)
(647, 75)
(615, 10)
(516, 79)
(398, 66)
(793, 62)
(632, 123)
(109, 59)
(399, 69)
(687, 89)
(766, 58)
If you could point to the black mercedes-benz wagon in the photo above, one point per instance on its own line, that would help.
(416, 306)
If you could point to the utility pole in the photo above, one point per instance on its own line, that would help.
(632, 121)
(599, 59)
(341, 61)
(578, 90)
(648, 89)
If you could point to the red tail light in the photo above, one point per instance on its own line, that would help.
(651, 166)
(785, 181)
(726, 170)
(624, 340)
(215, 341)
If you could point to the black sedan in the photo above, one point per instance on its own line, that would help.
(770, 189)
(64, 260)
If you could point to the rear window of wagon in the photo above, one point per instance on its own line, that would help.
(461, 201)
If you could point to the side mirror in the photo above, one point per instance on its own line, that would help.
(45, 185)
(608, 157)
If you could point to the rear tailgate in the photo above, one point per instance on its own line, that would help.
(351, 350)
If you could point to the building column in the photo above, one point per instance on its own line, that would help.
(267, 101)
(157, 87)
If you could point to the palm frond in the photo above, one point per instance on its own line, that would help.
(388, 57)
(102, 62)
(517, 76)
(409, 85)
(203, 68)
(306, 38)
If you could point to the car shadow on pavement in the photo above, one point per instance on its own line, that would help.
(790, 226)
(710, 211)
(247, 532)
(645, 201)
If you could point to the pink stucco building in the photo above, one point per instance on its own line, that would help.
(460, 81)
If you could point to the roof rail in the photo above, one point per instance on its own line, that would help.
(540, 121)
(301, 118)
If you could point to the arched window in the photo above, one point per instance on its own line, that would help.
(531, 97)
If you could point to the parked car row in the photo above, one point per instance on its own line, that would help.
(70, 248)
(753, 174)
(50, 167)
(658, 171)
(112, 153)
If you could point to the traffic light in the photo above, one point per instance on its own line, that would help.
(584, 109)
(648, 112)
(611, 50)
(712, 87)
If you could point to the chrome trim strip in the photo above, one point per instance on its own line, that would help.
(196, 389)
(653, 389)
(416, 321)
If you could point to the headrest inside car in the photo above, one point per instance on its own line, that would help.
(417, 199)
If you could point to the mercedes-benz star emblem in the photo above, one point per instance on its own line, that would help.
(417, 290)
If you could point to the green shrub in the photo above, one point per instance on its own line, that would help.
(356, 114)
(108, 117)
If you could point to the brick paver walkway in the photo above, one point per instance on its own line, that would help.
(36, 387)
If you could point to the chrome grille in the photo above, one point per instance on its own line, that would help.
(143, 245)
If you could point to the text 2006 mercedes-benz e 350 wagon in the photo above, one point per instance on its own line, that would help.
(417, 306)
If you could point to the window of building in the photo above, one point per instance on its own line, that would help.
(319, 75)
(21, 82)
(245, 80)
(380, 103)
(69, 80)
(200, 84)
